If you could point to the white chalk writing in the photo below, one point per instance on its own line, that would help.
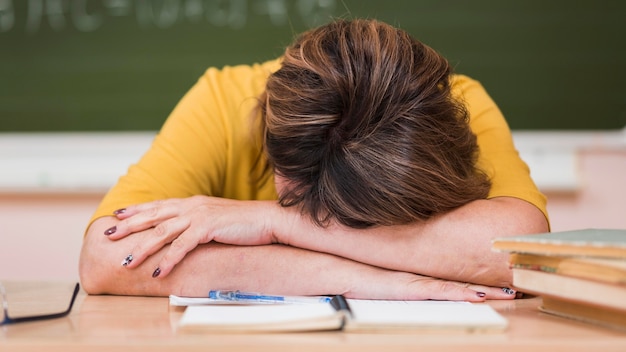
(91, 15)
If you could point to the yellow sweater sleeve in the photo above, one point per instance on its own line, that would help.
(509, 174)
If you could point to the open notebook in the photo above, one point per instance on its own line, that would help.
(339, 314)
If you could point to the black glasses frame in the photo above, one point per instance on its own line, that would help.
(8, 320)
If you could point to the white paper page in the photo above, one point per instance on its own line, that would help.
(424, 313)
(222, 315)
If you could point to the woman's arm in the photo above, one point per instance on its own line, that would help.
(272, 268)
(453, 246)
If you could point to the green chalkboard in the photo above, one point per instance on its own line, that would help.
(87, 65)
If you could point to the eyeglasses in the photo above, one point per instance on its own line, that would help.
(9, 320)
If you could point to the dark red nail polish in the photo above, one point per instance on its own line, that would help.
(110, 231)
(119, 211)
(156, 272)
(480, 294)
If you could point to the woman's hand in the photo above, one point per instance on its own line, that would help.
(188, 222)
(397, 285)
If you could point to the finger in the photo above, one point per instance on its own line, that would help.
(135, 209)
(452, 291)
(179, 248)
(161, 235)
(148, 215)
(500, 293)
(131, 210)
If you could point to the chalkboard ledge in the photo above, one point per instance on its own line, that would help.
(71, 162)
(91, 162)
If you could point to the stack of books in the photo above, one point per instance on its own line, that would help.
(580, 274)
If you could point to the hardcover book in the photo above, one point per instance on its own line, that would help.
(606, 243)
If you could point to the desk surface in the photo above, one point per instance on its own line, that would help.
(99, 323)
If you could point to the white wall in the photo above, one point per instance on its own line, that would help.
(51, 183)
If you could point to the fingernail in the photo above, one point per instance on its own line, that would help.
(110, 231)
(480, 294)
(119, 211)
(156, 272)
(508, 291)
(127, 260)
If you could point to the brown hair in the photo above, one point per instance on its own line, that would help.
(360, 120)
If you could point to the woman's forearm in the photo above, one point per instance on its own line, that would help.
(453, 246)
(211, 266)
(270, 268)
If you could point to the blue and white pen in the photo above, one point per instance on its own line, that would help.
(252, 297)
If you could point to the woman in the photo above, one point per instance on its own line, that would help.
(392, 177)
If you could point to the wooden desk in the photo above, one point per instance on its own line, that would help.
(113, 323)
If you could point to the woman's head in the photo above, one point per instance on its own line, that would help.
(360, 123)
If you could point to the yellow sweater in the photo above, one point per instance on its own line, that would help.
(209, 145)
